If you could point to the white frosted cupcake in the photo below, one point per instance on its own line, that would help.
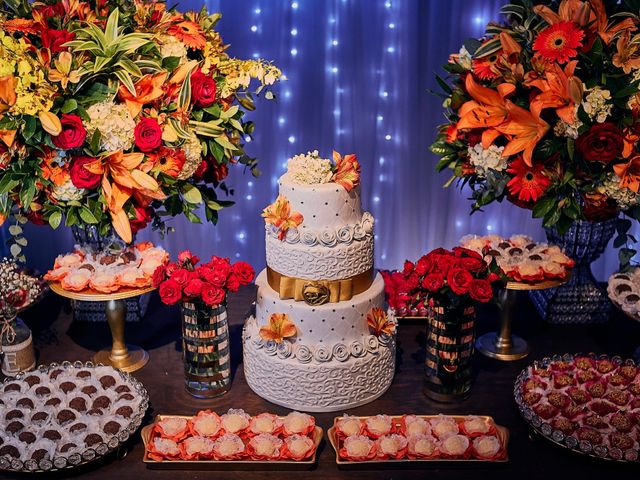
(206, 423)
(265, 423)
(172, 427)
(391, 446)
(195, 448)
(378, 425)
(228, 447)
(298, 447)
(264, 447)
(358, 448)
(413, 425)
(474, 426)
(422, 446)
(298, 423)
(348, 425)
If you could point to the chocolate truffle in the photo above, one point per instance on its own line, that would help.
(68, 446)
(101, 402)
(126, 396)
(122, 389)
(15, 426)
(79, 404)
(53, 402)
(39, 454)
(107, 381)
(32, 380)
(65, 416)
(89, 390)
(52, 435)
(111, 427)
(124, 411)
(94, 411)
(78, 427)
(43, 391)
(39, 417)
(55, 373)
(83, 374)
(107, 260)
(10, 450)
(92, 439)
(25, 402)
(12, 387)
(15, 413)
(27, 437)
(67, 387)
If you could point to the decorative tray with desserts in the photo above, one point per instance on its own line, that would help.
(624, 291)
(232, 441)
(586, 403)
(64, 416)
(391, 441)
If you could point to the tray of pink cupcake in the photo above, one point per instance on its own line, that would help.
(232, 441)
(384, 440)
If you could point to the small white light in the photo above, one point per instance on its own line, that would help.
(381, 161)
(379, 118)
(249, 197)
(254, 28)
(294, 32)
(256, 55)
(375, 237)
(392, 25)
(294, 52)
(383, 256)
(237, 254)
(257, 11)
(385, 94)
(241, 235)
(336, 112)
(340, 131)
(387, 137)
(294, 5)
(247, 138)
(287, 94)
(387, 4)
(292, 139)
(249, 183)
(458, 223)
(489, 228)
(376, 199)
(391, 49)
(381, 177)
(478, 20)
(340, 91)
(332, 20)
(281, 121)
(334, 69)
(334, 43)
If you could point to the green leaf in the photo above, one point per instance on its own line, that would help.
(170, 63)
(443, 85)
(543, 206)
(87, 216)
(192, 217)
(15, 249)
(111, 29)
(69, 105)
(126, 80)
(213, 205)
(191, 194)
(184, 96)
(15, 230)
(224, 141)
(55, 218)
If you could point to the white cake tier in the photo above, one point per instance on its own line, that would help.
(323, 205)
(318, 387)
(328, 324)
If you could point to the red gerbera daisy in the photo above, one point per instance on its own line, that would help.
(484, 68)
(559, 42)
(528, 183)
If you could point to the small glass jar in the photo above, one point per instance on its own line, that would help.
(17, 348)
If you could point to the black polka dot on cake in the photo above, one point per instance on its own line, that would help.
(323, 320)
(315, 216)
(333, 310)
(301, 203)
(353, 326)
(337, 215)
(332, 329)
(320, 340)
(342, 318)
(313, 309)
(337, 190)
(310, 331)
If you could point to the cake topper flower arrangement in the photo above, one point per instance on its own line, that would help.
(441, 277)
(544, 111)
(119, 114)
(311, 169)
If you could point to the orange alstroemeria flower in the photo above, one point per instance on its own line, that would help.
(279, 214)
(630, 140)
(121, 178)
(629, 174)
(379, 323)
(7, 92)
(626, 56)
(524, 129)
(347, 171)
(279, 328)
(560, 89)
(51, 170)
(148, 89)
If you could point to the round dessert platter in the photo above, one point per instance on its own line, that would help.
(584, 403)
(63, 416)
(127, 358)
(504, 345)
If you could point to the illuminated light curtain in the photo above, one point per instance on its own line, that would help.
(358, 73)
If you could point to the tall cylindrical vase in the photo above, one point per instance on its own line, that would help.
(581, 300)
(206, 349)
(450, 346)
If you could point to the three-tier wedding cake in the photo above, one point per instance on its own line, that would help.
(320, 339)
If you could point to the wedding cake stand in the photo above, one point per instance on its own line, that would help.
(127, 358)
(504, 345)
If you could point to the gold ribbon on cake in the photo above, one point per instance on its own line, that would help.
(319, 292)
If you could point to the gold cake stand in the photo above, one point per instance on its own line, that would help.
(127, 358)
(504, 345)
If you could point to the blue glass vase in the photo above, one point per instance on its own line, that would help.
(581, 300)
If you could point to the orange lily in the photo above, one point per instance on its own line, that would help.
(121, 178)
(606, 31)
(629, 174)
(7, 92)
(561, 90)
(525, 131)
(379, 323)
(3, 219)
(577, 11)
(148, 89)
(51, 170)
(347, 171)
(488, 107)
(509, 45)
(630, 140)
(626, 56)
(280, 215)
(279, 328)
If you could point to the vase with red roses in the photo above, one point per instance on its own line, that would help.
(201, 289)
(445, 286)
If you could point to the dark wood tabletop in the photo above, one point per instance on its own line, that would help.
(58, 338)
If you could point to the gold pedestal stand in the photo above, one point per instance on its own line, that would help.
(127, 358)
(504, 345)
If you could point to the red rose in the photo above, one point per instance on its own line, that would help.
(412, 281)
(148, 134)
(181, 276)
(445, 262)
(187, 257)
(459, 280)
(471, 264)
(602, 143)
(201, 170)
(141, 220)
(433, 282)
(194, 288)
(212, 295)
(80, 176)
(203, 89)
(424, 265)
(408, 267)
(243, 272)
(598, 207)
(481, 291)
(159, 276)
(220, 171)
(73, 133)
(465, 252)
(215, 276)
(171, 268)
(54, 39)
(170, 292)
(233, 284)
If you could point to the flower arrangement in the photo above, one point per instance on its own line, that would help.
(441, 277)
(311, 169)
(186, 281)
(119, 114)
(543, 111)
(18, 289)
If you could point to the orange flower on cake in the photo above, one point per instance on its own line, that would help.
(279, 328)
(379, 322)
(347, 170)
(279, 215)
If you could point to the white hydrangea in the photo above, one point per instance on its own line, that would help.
(564, 129)
(484, 159)
(170, 46)
(596, 104)
(309, 168)
(193, 153)
(115, 124)
(464, 58)
(624, 197)
(67, 192)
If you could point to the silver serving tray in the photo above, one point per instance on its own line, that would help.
(89, 455)
(544, 429)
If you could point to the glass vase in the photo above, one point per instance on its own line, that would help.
(450, 346)
(205, 349)
(581, 300)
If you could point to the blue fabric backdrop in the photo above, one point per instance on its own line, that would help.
(358, 73)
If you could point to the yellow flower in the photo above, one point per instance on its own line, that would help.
(63, 73)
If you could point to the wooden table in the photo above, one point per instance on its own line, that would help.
(492, 393)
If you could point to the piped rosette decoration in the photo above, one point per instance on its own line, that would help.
(441, 277)
(188, 280)
(543, 112)
(108, 271)
(412, 437)
(121, 115)
(520, 259)
(233, 436)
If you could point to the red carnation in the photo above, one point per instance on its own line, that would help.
(203, 89)
(212, 295)
(220, 171)
(602, 143)
(148, 134)
(408, 267)
(170, 292)
(215, 276)
(412, 281)
(233, 284)
(181, 276)
(243, 272)
(73, 132)
(187, 257)
(481, 290)
(194, 288)
(80, 176)
(459, 280)
(159, 276)
(54, 39)
(433, 282)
